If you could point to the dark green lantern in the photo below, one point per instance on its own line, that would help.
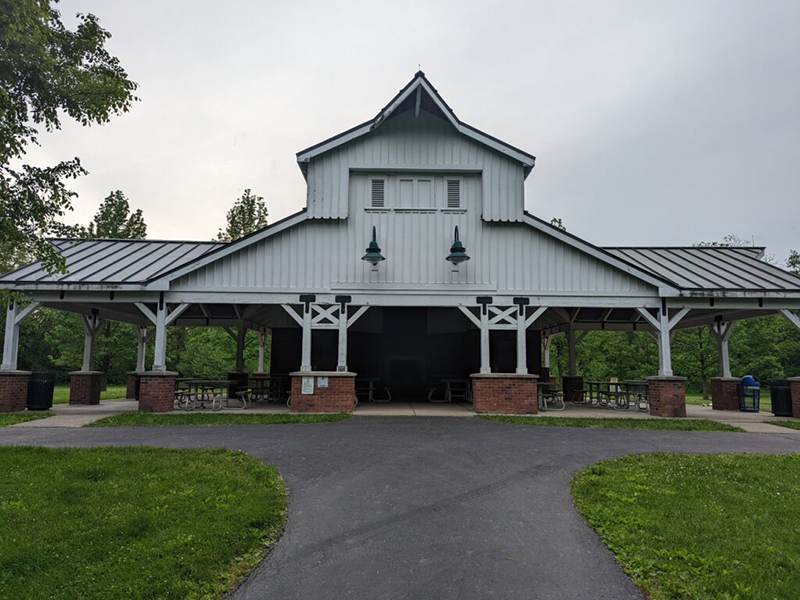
(458, 253)
(373, 255)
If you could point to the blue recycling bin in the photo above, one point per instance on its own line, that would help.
(749, 394)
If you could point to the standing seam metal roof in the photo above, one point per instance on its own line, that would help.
(710, 267)
(111, 261)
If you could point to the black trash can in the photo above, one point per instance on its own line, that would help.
(40, 391)
(781, 398)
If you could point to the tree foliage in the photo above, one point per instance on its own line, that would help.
(114, 219)
(248, 214)
(47, 72)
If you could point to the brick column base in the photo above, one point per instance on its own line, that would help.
(157, 391)
(725, 393)
(794, 383)
(130, 381)
(13, 390)
(85, 387)
(572, 386)
(667, 396)
(505, 393)
(338, 397)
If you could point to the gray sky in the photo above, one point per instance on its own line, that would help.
(653, 122)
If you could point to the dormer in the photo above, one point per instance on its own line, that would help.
(415, 155)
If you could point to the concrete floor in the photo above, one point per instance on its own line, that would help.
(76, 416)
(446, 508)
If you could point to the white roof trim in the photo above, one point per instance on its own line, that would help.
(664, 288)
(419, 82)
(162, 281)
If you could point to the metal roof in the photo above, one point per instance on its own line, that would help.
(711, 268)
(112, 262)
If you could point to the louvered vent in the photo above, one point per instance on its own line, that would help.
(378, 199)
(453, 193)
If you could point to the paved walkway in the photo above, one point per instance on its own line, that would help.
(78, 416)
(446, 508)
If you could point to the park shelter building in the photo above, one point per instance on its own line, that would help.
(413, 261)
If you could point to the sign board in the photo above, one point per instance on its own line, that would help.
(307, 386)
(322, 382)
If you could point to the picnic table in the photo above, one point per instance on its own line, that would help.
(616, 394)
(192, 393)
(265, 388)
(454, 389)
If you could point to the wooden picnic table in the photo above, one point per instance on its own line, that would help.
(194, 392)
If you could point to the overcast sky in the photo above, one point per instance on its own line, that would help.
(653, 122)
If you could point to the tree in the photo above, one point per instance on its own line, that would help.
(249, 214)
(115, 220)
(793, 262)
(695, 355)
(46, 72)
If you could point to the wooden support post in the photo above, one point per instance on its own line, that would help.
(160, 354)
(11, 340)
(14, 316)
(522, 352)
(91, 324)
(485, 361)
(341, 363)
(722, 331)
(305, 357)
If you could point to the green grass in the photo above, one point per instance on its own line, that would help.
(142, 419)
(14, 418)
(765, 404)
(699, 527)
(790, 424)
(112, 392)
(616, 423)
(133, 523)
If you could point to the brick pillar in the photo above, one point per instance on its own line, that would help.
(725, 393)
(667, 396)
(13, 390)
(794, 383)
(157, 391)
(130, 381)
(505, 393)
(572, 386)
(333, 392)
(85, 387)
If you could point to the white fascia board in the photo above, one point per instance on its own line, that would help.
(162, 283)
(664, 289)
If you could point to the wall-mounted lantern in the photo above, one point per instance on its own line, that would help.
(458, 253)
(373, 255)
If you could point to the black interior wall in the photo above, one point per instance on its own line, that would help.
(404, 355)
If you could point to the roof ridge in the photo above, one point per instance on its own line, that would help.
(145, 240)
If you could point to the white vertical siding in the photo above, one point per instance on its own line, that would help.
(323, 255)
(408, 142)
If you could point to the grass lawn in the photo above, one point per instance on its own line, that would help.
(133, 523)
(790, 424)
(142, 419)
(112, 392)
(699, 527)
(14, 418)
(765, 404)
(612, 423)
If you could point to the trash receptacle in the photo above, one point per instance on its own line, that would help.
(40, 391)
(749, 394)
(781, 398)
